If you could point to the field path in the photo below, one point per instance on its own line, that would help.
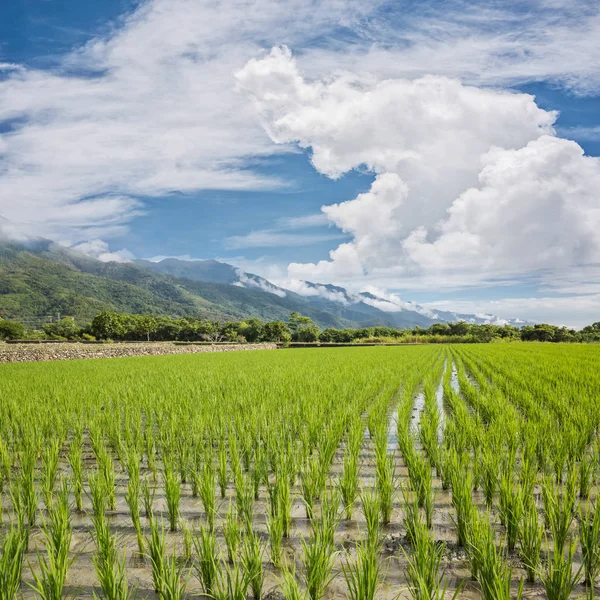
(11, 353)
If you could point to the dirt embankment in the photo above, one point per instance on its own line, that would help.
(10, 353)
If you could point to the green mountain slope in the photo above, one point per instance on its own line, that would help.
(43, 278)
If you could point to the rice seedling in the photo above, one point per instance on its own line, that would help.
(107, 470)
(289, 584)
(462, 501)
(512, 507)
(207, 559)
(423, 571)
(222, 474)
(559, 506)
(251, 560)
(319, 557)
(348, 483)
(559, 577)
(110, 568)
(310, 484)
(50, 459)
(148, 492)
(412, 513)
(531, 541)
(245, 500)
(487, 562)
(188, 542)
(76, 463)
(49, 582)
(489, 475)
(27, 495)
(232, 533)
(230, 584)
(589, 540)
(132, 498)
(586, 477)
(172, 486)
(386, 487)
(371, 511)
(207, 493)
(511, 413)
(363, 575)
(13, 547)
(174, 583)
(275, 525)
(155, 545)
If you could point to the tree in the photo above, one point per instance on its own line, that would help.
(276, 331)
(459, 328)
(65, 328)
(303, 329)
(440, 329)
(108, 325)
(145, 326)
(11, 330)
(253, 330)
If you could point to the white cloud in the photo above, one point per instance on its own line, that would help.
(303, 222)
(271, 238)
(313, 290)
(99, 249)
(262, 284)
(481, 42)
(582, 134)
(571, 311)
(159, 113)
(471, 185)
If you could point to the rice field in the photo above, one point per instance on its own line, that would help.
(422, 472)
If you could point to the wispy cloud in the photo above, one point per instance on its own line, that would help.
(582, 134)
(268, 238)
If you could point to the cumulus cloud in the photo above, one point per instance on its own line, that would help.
(99, 249)
(470, 183)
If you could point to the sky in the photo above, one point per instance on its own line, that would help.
(444, 152)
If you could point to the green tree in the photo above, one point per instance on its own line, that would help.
(253, 330)
(276, 331)
(108, 325)
(65, 328)
(145, 326)
(303, 329)
(11, 330)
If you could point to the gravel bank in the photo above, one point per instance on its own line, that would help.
(11, 353)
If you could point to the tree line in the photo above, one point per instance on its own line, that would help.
(298, 328)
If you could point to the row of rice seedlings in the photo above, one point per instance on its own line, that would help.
(13, 547)
(512, 509)
(589, 538)
(532, 533)
(172, 488)
(488, 563)
(363, 574)
(54, 565)
(110, 568)
(424, 571)
(132, 496)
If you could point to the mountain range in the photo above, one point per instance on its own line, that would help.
(40, 279)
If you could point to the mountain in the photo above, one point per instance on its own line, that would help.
(41, 279)
(363, 309)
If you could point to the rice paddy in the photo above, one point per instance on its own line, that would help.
(423, 472)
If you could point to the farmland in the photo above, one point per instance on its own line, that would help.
(357, 473)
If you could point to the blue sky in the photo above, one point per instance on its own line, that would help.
(143, 129)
